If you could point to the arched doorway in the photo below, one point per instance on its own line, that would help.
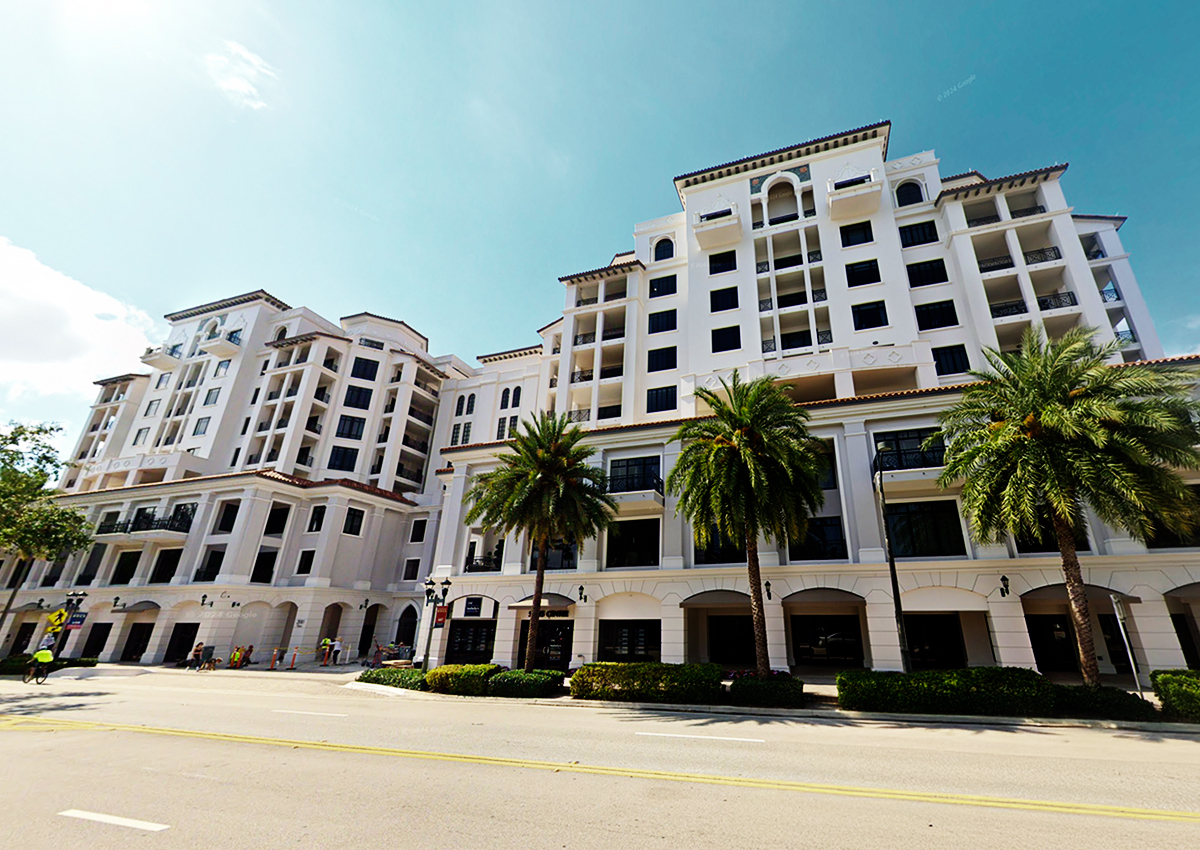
(825, 628)
(184, 633)
(556, 631)
(947, 628)
(719, 628)
(331, 621)
(629, 627)
(406, 627)
(471, 630)
(366, 638)
(1052, 632)
(278, 634)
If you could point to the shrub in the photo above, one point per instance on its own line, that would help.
(986, 691)
(776, 691)
(396, 677)
(556, 675)
(16, 665)
(1102, 703)
(1179, 692)
(518, 683)
(468, 680)
(649, 681)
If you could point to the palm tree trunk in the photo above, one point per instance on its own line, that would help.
(1077, 600)
(536, 613)
(762, 657)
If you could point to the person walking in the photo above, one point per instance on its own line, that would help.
(337, 648)
(235, 657)
(197, 655)
(245, 659)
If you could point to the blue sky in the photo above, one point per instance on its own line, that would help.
(445, 163)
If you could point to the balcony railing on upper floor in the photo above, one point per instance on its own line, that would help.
(912, 458)
(790, 261)
(1008, 308)
(611, 372)
(1096, 253)
(585, 302)
(995, 263)
(613, 296)
(482, 565)
(1057, 301)
(429, 388)
(611, 411)
(784, 219)
(824, 337)
(408, 472)
(419, 416)
(982, 220)
(613, 333)
(635, 483)
(322, 396)
(1110, 295)
(146, 522)
(1036, 209)
(418, 445)
(820, 295)
(1126, 337)
(582, 376)
(579, 415)
(814, 256)
(1043, 255)
(585, 339)
(768, 345)
(765, 304)
(762, 267)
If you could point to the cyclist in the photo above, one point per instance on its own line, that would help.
(39, 665)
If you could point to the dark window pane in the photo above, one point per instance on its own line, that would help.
(723, 299)
(351, 427)
(418, 531)
(264, 566)
(939, 314)
(921, 233)
(659, 399)
(951, 359)
(364, 369)
(726, 261)
(872, 315)
(726, 339)
(927, 272)
(277, 519)
(660, 359)
(229, 512)
(633, 543)
(904, 449)
(305, 564)
(662, 321)
(857, 234)
(908, 194)
(664, 249)
(358, 397)
(662, 286)
(354, 521)
(343, 458)
(823, 541)
(860, 274)
(316, 518)
(721, 550)
(925, 529)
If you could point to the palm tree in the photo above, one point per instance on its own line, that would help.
(1051, 429)
(751, 468)
(546, 489)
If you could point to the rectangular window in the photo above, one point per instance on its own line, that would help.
(633, 543)
(500, 428)
(211, 567)
(466, 438)
(163, 380)
(726, 261)
(264, 566)
(721, 550)
(354, 522)
(316, 518)
(140, 436)
(364, 368)
(358, 397)
(222, 369)
(660, 286)
(726, 339)
(660, 359)
(412, 568)
(245, 426)
(343, 458)
(152, 407)
(512, 426)
(823, 541)
(871, 315)
(939, 314)
(627, 475)
(418, 531)
(254, 396)
(903, 449)
(660, 399)
(454, 435)
(126, 566)
(305, 564)
(277, 519)
(925, 529)
(860, 274)
(951, 359)
(857, 234)
(212, 395)
(236, 453)
(201, 426)
(662, 321)
(796, 339)
(165, 566)
(723, 299)
(927, 272)
(351, 427)
(921, 233)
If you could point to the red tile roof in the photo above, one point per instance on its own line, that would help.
(604, 271)
(1056, 170)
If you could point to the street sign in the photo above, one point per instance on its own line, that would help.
(439, 616)
(76, 620)
(57, 618)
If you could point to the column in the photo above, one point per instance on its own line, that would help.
(584, 640)
(674, 527)
(854, 477)
(193, 548)
(305, 631)
(164, 624)
(881, 632)
(674, 637)
(508, 636)
(1010, 634)
(1155, 642)
(776, 634)
(243, 545)
(448, 552)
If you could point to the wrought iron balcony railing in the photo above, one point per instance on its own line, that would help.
(1043, 255)
(994, 263)
(635, 483)
(1008, 308)
(1028, 211)
(1057, 301)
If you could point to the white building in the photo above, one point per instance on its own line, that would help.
(866, 285)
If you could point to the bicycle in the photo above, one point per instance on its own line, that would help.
(36, 672)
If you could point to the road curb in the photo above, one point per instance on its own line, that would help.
(806, 713)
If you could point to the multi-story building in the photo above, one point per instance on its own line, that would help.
(260, 485)
(865, 285)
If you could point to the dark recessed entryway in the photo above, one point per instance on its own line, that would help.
(137, 642)
(554, 642)
(183, 638)
(470, 641)
(731, 640)
(935, 641)
(97, 639)
(630, 640)
(833, 640)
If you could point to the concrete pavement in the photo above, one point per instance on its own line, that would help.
(309, 763)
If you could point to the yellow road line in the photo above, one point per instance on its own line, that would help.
(18, 723)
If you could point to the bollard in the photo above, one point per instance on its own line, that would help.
(274, 655)
(325, 660)
(294, 651)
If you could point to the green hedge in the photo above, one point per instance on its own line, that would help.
(986, 691)
(649, 681)
(396, 677)
(780, 691)
(16, 665)
(1179, 693)
(518, 683)
(1103, 703)
(468, 680)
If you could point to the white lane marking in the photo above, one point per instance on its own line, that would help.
(703, 737)
(115, 821)
(315, 713)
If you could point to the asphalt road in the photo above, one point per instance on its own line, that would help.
(247, 759)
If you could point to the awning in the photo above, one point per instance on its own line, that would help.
(144, 605)
(549, 600)
(30, 606)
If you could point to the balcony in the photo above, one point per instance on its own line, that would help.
(1110, 295)
(612, 411)
(912, 459)
(789, 262)
(167, 526)
(762, 267)
(982, 220)
(613, 333)
(1125, 337)
(585, 339)
(553, 381)
(313, 425)
(793, 299)
(586, 302)
(304, 459)
(768, 345)
(636, 492)
(1008, 308)
(408, 473)
(784, 219)
(162, 358)
(1042, 255)
(291, 392)
(429, 388)
(221, 345)
(613, 296)
(820, 295)
(582, 376)
(1092, 254)
(482, 565)
(322, 395)
(579, 415)
(719, 226)
(854, 197)
(1057, 301)
(765, 304)
(419, 416)
(274, 394)
(415, 445)
(611, 372)
(330, 364)
(1028, 211)
(814, 256)
(995, 264)
(824, 337)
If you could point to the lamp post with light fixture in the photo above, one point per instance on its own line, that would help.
(432, 598)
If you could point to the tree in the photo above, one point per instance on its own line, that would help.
(1052, 429)
(32, 524)
(545, 488)
(751, 468)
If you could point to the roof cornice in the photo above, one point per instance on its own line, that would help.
(228, 303)
(1012, 181)
(612, 270)
(118, 379)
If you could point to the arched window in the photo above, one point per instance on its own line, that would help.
(280, 334)
(664, 249)
(504, 399)
(516, 398)
(458, 408)
(909, 193)
(470, 404)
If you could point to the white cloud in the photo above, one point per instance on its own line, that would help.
(238, 73)
(58, 335)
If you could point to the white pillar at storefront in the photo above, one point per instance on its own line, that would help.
(508, 635)
(1155, 642)
(674, 639)
(1010, 634)
(881, 631)
(776, 634)
(583, 649)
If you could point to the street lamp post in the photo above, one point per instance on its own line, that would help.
(74, 600)
(432, 598)
(877, 480)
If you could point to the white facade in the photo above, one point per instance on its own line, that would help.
(866, 285)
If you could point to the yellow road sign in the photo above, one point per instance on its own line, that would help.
(57, 618)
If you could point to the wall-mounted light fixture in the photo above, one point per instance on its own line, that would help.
(767, 586)
(1004, 591)
(582, 595)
